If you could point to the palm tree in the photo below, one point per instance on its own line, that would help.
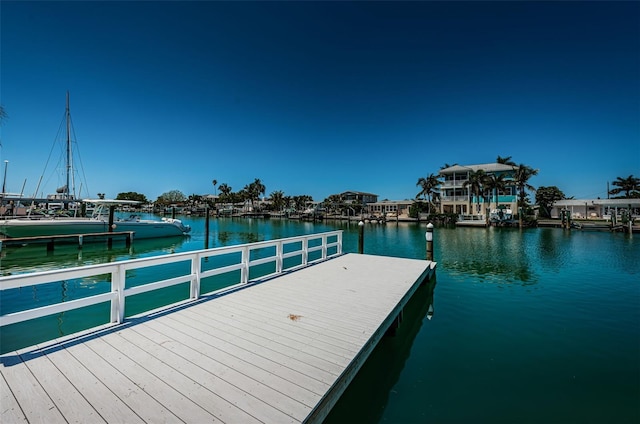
(521, 178)
(300, 202)
(3, 114)
(630, 186)
(225, 192)
(333, 202)
(429, 186)
(495, 184)
(215, 183)
(475, 184)
(277, 199)
(287, 200)
(505, 160)
(254, 190)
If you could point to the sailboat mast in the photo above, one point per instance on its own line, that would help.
(68, 113)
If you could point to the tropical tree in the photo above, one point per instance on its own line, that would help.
(505, 160)
(194, 199)
(225, 189)
(130, 195)
(476, 185)
(169, 197)
(494, 184)
(300, 202)
(630, 186)
(288, 201)
(277, 199)
(521, 178)
(3, 114)
(215, 183)
(254, 190)
(546, 197)
(429, 186)
(333, 202)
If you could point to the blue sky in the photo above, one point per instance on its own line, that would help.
(318, 97)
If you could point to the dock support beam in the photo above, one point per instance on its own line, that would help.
(361, 237)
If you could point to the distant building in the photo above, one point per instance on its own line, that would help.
(597, 208)
(390, 208)
(358, 197)
(457, 198)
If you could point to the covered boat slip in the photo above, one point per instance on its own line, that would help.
(281, 350)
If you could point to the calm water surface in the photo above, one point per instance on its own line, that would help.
(533, 326)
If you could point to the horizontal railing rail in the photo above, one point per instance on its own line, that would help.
(321, 242)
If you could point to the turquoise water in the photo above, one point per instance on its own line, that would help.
(533, 326)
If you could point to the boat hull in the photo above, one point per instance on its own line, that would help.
(50, 227)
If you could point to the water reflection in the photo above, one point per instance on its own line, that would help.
(495, 255)
(33, 258)
(366, 397)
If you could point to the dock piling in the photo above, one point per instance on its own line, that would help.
(361, 237)
(429, 236)
(206, 227)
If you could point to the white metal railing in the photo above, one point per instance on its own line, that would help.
(118, 272)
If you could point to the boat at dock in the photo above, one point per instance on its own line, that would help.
(99, 222)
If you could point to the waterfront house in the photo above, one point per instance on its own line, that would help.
(390, 208)
(358, 197)
(457, 198)
(597, 208)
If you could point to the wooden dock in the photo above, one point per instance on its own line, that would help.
(278, 351)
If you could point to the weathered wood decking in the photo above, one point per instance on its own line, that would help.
(279, 351)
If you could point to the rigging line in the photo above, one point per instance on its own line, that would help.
(53, 146)
(83, 179)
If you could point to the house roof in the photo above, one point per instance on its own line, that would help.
(362, 193)
(487, 167)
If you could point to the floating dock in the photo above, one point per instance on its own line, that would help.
(78, 239)
(278, 351)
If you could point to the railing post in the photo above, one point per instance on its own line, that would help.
(339, 243)
(244, 272)
(195, 280)
(117, 287)
(279, 260)
(324, 246)
(305, 250)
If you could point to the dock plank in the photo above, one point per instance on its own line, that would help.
(313, 367)
(10, 411)
(206, 392)
(164, 392)
(282, 350)
(252, 355)
(35, 404)
(209, 367)
(118, 382)
(71, 403)
(270, 347)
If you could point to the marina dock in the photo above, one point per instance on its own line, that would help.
(79, 239)
(276, 350)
